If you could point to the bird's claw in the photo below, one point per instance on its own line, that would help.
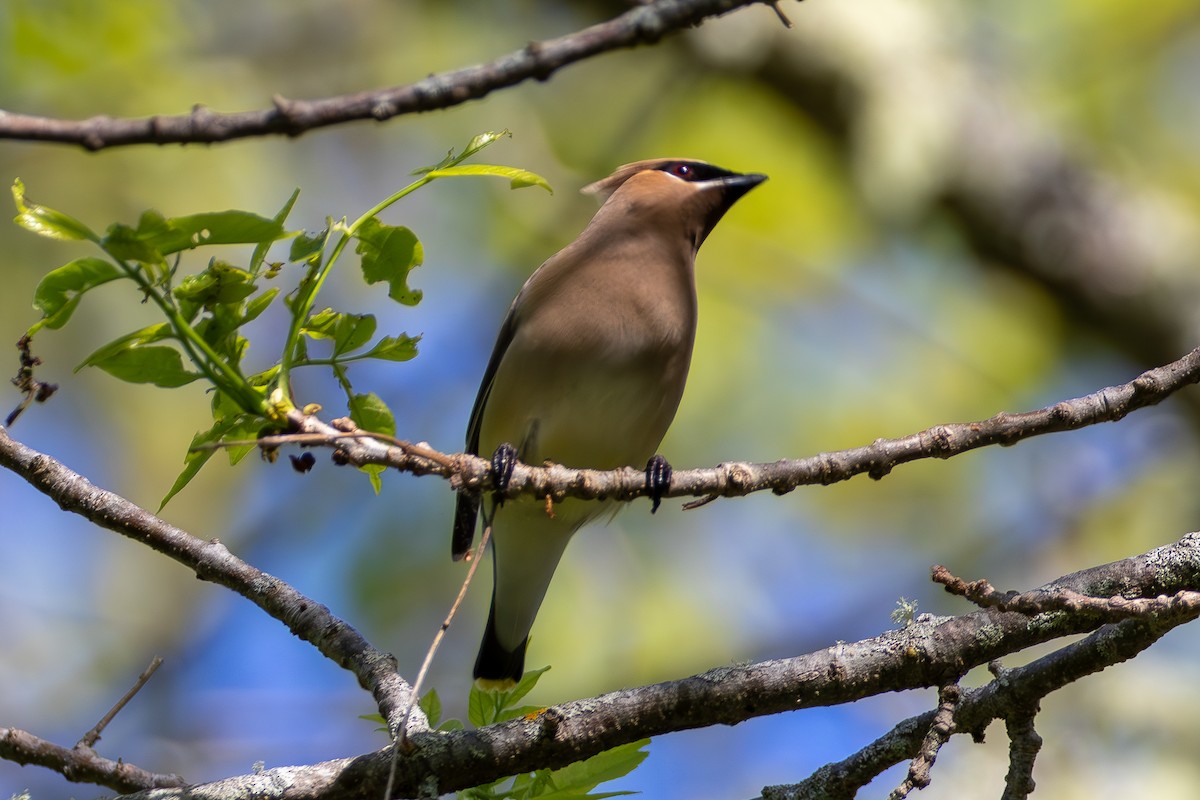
(503, 462)
(658, 480)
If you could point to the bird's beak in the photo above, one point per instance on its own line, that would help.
(734, 186)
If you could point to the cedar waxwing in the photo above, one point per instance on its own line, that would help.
(587, 371)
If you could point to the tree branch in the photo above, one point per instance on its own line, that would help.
(644, 24)
(929, 652)
(212, 561)
(80, 763)
(736, 479)
(1013, 696)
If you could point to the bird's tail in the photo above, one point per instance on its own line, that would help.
(497, 667)
(526, 544)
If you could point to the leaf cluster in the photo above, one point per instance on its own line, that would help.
(205, 313)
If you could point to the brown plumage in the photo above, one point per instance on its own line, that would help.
(588, 371)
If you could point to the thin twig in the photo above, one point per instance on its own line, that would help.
(91, 737)
(401, 735)
(1041, 601)
(940, 731)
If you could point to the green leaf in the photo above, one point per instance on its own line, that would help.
(525, 685)
(124, 243)
(518, 178)
(46, 221)
(308, 246)
(220, 282)
(260, 250)
(485, 706)
(170, 235)
(371, 414)
(161, 366)
(474, 146)
(147, 335)
(577, 780)
(389, 253)
(58, 293)
(481, 706)
(394, 348)
(259, 304)
(431, 704)
(347, 331)
(236, 426)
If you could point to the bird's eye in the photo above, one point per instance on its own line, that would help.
(681, 171)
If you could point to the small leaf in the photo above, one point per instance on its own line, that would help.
(431, 704)
(372, 414)
(58, 293)
(577, 780)
(161, 366)
(259, 304)
(123, 242)
(348, 331)
(147, 335)
(481, 706)
(525, 685)
(197, 458)
(474, 146)
(389, 253)
(354, 331)
(260, 250)
(308, 246)
(483, 140)
(46, 221)
(394, 348)
(518, 178)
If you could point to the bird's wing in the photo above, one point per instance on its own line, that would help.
(467, 505)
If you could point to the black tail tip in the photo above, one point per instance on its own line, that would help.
(496, 667)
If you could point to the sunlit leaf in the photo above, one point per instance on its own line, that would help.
(46, 221)
(58, 293)
(389, 253)
(394, 348)
(579, 779)
(169, 235)
(518, 178)
(308, 246)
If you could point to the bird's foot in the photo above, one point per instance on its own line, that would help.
(658, 480)
(503, 462)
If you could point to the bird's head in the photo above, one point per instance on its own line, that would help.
(674, 192)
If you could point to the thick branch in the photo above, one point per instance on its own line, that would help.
(644, 24)
(927, 653)
(80, 763)
(1011, 697)
(735, 479)
(212, 561)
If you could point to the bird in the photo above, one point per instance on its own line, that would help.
(588, 370)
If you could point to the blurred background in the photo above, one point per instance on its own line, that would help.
(973, 208)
